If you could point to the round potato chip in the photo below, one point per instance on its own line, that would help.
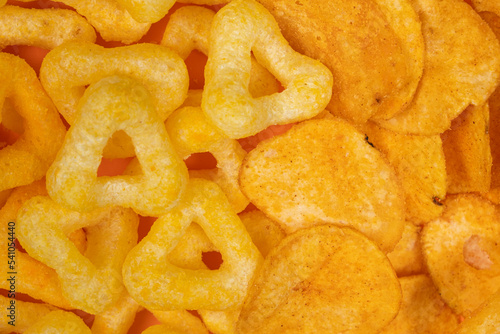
(422, 309)
(450, 84)
(462, 253)
(324, 171)
(323, 279)
(485, 319)
(407, 258)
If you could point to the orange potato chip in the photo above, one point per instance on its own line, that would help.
(365, 44)
(485, 319)
(467, 150)
(422, 309)
(323, 279)
(45, 28)
(324, 171)
(420, 165)
(450, 84)
(407, 258)
(461, 251)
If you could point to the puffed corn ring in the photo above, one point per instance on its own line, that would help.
(157, 284)
(92, 282)
(181, 321)
(44, 28)
(117, 318)
(20, 314)
(33, 278)
(149, 11)
(192, 133)
(117, 103)
(188, 29)
(112, 21)
(37, 146)
(61, 322)
(242, 27)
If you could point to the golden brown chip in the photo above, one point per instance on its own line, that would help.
(407, 258)
(450, 84)
(467, 150)
(324, 171)
(485, 319)
(266, 233)
(422, 309)
(323, 279)
(376, 67)
(462, 253)
(419, 162)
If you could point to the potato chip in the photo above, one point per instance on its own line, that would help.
(420, 165)
(462, 253)
(422, 309)
(466, 147)
(239, 29)
(29, 157)
(112, 104)
(157, 284)
(91, 282)
(450, 84)
(266, 233)
(373, 48)
(324, 171)
(44, 28)
(407, 258)
(319, 271)
(485, 319)
(59, 322)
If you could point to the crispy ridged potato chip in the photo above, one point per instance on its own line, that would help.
(324, 171)
(319, 271)
(466, 147)
(407, 258)
(422, 309)
(365, 44)
(485, 319)
(462, 253)
(419, 162)
(450, 84)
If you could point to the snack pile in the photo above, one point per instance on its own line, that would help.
(262, 166)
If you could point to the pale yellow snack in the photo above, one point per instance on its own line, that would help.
(420, 165)
(324, 171)
(485, 319)
(111, 20)
(157, 284)
(44, 28)
(450, 84)
(462, 253)
(21, 315)
(90, 281)
(188, 29)
(180, 321)
(191, 133)
(467, 150)
(239, 29)
(323, 279)
(61, 322)
(422, 309)
(112, 104)
(116, 318)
